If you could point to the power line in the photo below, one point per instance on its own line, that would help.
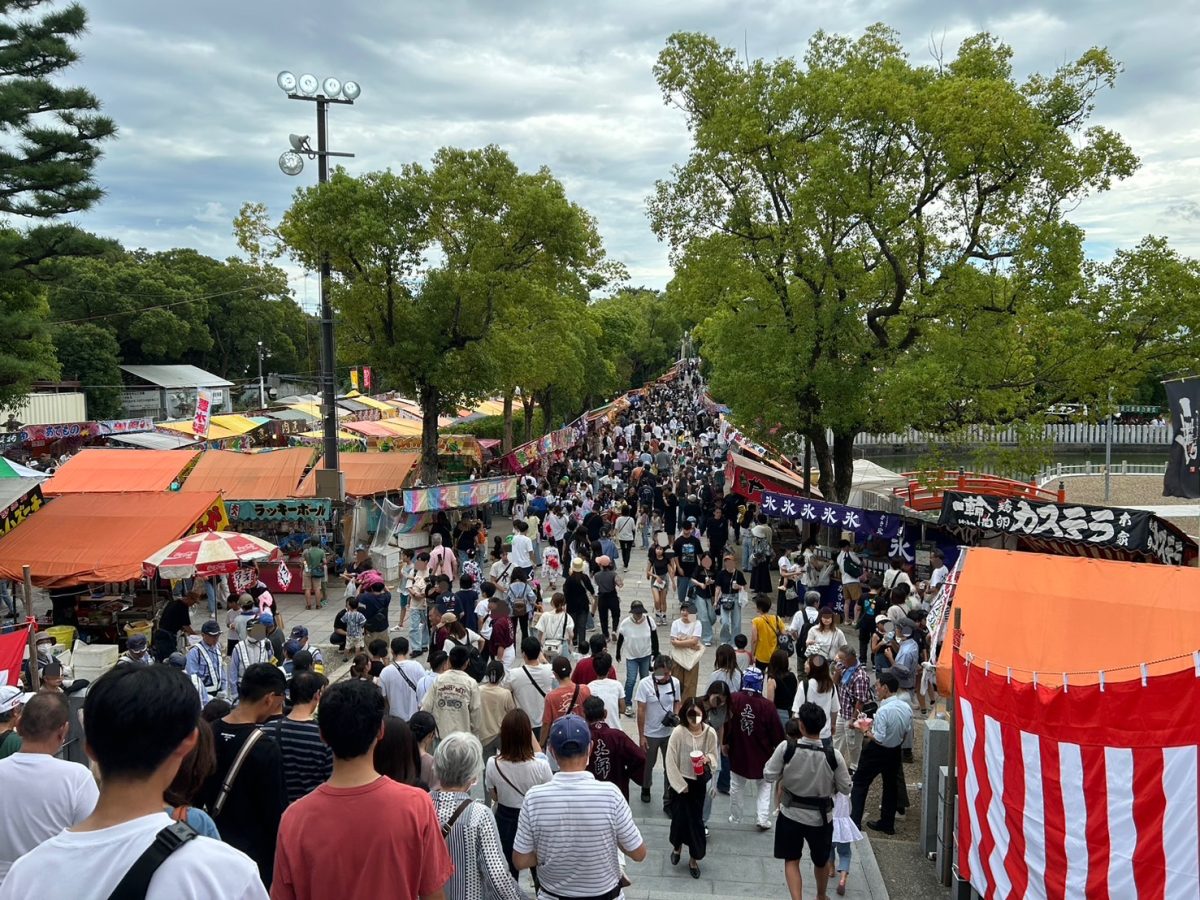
(143, 309)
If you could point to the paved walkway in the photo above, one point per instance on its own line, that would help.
(740, 861)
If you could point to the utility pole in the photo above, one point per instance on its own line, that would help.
(1108, 449)
(322, 93)
(262, 390)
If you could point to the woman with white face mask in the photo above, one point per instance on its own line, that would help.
(692, 761)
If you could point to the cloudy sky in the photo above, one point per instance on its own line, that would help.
(566, 84)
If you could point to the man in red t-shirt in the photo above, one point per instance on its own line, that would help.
(401, 854)
(566, 699)
(585, 669)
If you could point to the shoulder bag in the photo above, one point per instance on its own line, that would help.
(462, 807)
(532, 681)
(232, 774)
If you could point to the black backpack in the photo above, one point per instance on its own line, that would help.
(476, 665)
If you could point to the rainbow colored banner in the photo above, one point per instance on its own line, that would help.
(460, 494)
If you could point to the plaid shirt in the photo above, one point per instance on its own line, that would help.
(854, 692)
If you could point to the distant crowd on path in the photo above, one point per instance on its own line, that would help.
(246, 743)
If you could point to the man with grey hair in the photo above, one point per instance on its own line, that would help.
(553, 834)
(470, 828)
(441, 559)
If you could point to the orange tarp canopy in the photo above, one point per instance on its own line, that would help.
(367, 473)
(1032, 612)
(369, 429)
(98, 538)
(99, 470)
(270, 475)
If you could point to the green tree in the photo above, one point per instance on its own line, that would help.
(90, 354)
(430, 263)
(46, 167)
(835, 212)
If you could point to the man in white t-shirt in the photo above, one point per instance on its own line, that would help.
(399, 681)
(607, 689)
(141, 725)
(41, 795)
(531, 681)
(657, 697)
(520, 552)
(938, 576)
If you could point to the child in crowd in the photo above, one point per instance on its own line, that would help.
(360, 668)
(845, 833)
(378, 649)
(741, 652)
(355, 626)
(407, 568)
(551, 567)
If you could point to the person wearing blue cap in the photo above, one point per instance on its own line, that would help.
(137, 651)
(563, 821)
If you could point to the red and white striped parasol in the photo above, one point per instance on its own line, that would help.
(208, 553)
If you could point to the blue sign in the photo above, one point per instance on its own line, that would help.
(831, 515)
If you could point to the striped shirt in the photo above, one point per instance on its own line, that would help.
(307, 760)
(563, 822)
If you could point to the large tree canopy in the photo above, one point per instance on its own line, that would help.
(437, 269)
(857, 229)
(53, 134)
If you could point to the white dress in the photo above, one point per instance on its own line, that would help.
(844, 829)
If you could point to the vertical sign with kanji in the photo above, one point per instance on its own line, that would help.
(366, 378)
(203, 413)
(1182, 478)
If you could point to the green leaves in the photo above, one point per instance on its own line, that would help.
(892, 226)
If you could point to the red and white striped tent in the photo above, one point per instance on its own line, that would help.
(1077, 685)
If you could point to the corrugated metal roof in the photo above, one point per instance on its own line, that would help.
(291, 415)
(180, 376)
(155, 440)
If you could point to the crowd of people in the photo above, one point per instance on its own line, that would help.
(480, 731)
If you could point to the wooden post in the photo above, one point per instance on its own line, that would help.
(951, 797)
(35, 679)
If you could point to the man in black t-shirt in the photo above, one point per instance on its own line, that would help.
(176, 617)
(249, 815)
(687, 556)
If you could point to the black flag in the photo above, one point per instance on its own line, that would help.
(1182, 478)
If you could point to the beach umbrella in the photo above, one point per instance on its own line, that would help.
(208, 553)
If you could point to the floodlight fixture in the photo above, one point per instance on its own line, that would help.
(331, 87)
(286, 81)
(351, 90)
(299, 143)
(291, 162)
(309, 84)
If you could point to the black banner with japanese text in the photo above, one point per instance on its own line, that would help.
(1099, 526)
(1182, 478)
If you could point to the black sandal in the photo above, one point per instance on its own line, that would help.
(694, 868)
(675, 857)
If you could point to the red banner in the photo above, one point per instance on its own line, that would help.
(12, 652)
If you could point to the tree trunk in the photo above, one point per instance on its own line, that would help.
(506, 439)
(547, 404)
(824, 458)
(527, 409)
(843, 464)
(430, 399)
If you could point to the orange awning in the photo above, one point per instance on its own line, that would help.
(368, 429)
(98, 538)
(1053, 614)
(271, 475)
(367, 473)
(100, 470)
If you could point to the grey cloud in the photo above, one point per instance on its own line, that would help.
(565, 85)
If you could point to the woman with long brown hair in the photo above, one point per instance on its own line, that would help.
(193, 771)
(509, 774)
(398, 754)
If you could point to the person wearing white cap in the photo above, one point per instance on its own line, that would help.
(42, 794)
(12, 699)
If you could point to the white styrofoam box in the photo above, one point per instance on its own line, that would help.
(94, 656)
(413, 541)
(387, 562)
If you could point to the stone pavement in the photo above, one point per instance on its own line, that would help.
(740, 861)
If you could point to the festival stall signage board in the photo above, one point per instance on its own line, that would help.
(20, 509)
(46, 434)
(1129, 530)
(460, 495)
(831, 515)
(278, 510)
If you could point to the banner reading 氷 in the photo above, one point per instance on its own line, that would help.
(200, 421)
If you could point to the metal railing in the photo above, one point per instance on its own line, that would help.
(1051, 473)
(1068, 434)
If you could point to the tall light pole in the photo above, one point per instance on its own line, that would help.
(262, 391)
(291, 162)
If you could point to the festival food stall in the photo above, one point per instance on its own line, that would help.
(258, 489)
(87, 550)
(1075, 690)
(20, 494)
(112, 470)
(50, 442)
